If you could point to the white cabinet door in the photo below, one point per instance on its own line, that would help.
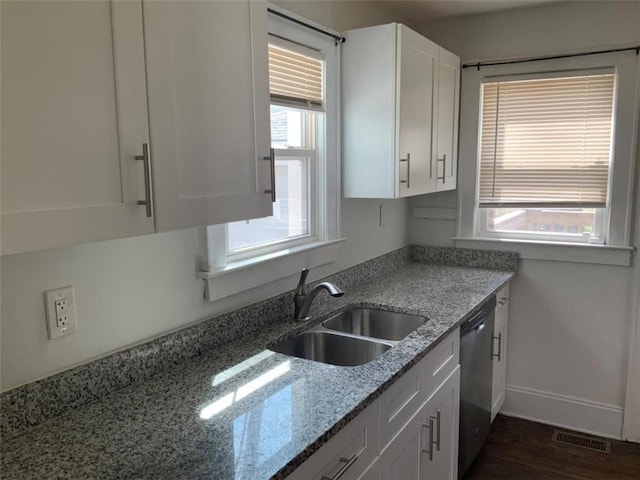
(446, 125)
(389, 77)
(401, 459)
(416, 69)
(499, 351)
(373, 472)
(74, 117)
(207, 70)
(427, 447)
(349, 455)
(441, 416)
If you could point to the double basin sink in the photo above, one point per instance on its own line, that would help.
(353, 337)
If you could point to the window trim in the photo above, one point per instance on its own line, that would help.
(223, 278)
(627, 102)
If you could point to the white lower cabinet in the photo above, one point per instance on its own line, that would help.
(427, 447)
(439, 460)
(499, 351)
(349, 454)
(401, 458)
(373, 472)
(409, 432)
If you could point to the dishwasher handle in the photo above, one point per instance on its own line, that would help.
(476, 322)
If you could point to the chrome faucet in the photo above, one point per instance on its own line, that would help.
(303, 300)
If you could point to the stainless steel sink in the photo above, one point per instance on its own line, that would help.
(331, 348)
(382, 324)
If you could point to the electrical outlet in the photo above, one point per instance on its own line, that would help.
(61, 312)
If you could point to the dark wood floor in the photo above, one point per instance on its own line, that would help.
(522, 450)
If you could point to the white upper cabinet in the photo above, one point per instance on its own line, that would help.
(74, 117)
(76, 77)
(208, 84)
(446, 123)
(415, 74)
(400, 113)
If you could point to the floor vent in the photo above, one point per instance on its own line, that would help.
(583, 441)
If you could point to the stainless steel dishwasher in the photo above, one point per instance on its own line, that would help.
(476, 370)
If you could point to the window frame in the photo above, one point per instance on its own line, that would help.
(597, 238)
(314, 197)
(618, 223)
(228, 275)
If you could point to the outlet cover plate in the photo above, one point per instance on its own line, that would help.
(60, 307)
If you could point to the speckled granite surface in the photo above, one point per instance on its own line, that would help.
(239, 411)
(37, 402)
(465, 257)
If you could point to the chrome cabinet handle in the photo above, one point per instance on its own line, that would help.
(272, 158)
(444, 167)
(431, 442)
(437, 419)
(347, 464)
(499, 338)
(408, 160)
(148, 199)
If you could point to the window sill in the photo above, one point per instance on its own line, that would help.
(555, 251)
(251, 273)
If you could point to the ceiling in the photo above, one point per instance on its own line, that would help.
(423, 10)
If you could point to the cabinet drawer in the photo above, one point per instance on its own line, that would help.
(440, 362)
(403, 399)
(400, 402)
(502, 299)
(351, 451)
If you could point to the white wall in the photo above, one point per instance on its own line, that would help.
(570, 323)
(543, 30)
(131, 290)
(343, 15)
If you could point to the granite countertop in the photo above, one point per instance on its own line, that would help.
(243, 412)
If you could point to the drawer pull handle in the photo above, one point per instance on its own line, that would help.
(444, 168)
(431, 442)
(148, 198)
(503, 300)
(347, 464)
(499, 338)
(437, 419)
(408, 180)
(272, 159)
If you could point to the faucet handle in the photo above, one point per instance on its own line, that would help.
(300, 289)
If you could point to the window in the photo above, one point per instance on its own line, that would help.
(298, 124)
(303, 87)
(545, 155)
(547, 152)
(297, 118)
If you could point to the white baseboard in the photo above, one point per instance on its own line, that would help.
(563, 411)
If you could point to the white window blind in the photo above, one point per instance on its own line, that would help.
(546, 142)
(295, 79)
